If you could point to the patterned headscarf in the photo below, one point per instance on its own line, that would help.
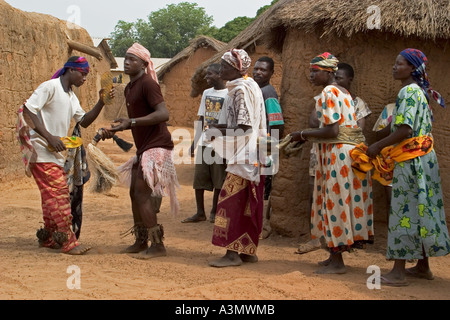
(239, 59)
(81, 64)
(418, 59)
(325, 61)
(141, 52)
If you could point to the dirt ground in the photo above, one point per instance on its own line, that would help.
(30, 273)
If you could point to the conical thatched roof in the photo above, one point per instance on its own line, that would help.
(423, 19)
(194, 45)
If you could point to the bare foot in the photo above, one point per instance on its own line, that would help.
(332, 269)
(78, 250)
(228, 260)
(335, 265)
(195, 218)
(309, 246)
(324, 263)
(393, 281)
(248, 258)
(417, 272)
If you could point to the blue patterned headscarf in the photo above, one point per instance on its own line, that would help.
(418, 59)
(80, 64)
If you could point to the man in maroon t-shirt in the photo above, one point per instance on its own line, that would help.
(152, 170)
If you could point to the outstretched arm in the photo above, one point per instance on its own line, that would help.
(327, 132)
(161, 114)
(90, 116)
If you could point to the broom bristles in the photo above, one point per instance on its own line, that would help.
(104, 170)
(124, 145)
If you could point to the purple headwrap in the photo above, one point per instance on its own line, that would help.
(81, 64)
(418, 59)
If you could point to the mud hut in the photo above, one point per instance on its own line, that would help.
(32, 47)
(175, 75)
(368, 35)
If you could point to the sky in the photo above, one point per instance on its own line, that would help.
(99, 17)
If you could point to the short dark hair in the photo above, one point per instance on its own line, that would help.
(348, 69)
(269, 60)
(215, 67)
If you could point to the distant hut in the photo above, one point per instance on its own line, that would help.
(33, 47)
(103, 45)
(368, 35)
(175, 79)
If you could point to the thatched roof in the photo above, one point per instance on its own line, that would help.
(423, 19)
(194, 45)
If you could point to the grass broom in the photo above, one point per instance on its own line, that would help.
(103, 169)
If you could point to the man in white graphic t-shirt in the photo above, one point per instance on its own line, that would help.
(209, 167)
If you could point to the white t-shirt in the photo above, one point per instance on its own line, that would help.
(211, 109)
(56, 109)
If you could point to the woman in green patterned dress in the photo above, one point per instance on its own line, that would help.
(417, 222)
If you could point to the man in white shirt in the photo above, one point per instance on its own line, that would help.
(49, 112)
(209, 168)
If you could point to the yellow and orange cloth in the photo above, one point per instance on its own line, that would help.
(383, 165)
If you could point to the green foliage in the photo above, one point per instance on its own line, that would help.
(264, 8)
(168, 31)
(165, 33)
(123, 37)
(175, 26)
(231, 29)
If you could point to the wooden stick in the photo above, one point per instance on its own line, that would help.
(85, 49)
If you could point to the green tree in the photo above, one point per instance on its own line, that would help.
(167, 31)
(123, 37)
(264, 8)
(232, 28)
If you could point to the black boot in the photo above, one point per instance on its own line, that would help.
(141, 234)
(157, 249)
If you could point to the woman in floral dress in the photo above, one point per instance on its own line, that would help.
(417, 225)
(342, 211)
